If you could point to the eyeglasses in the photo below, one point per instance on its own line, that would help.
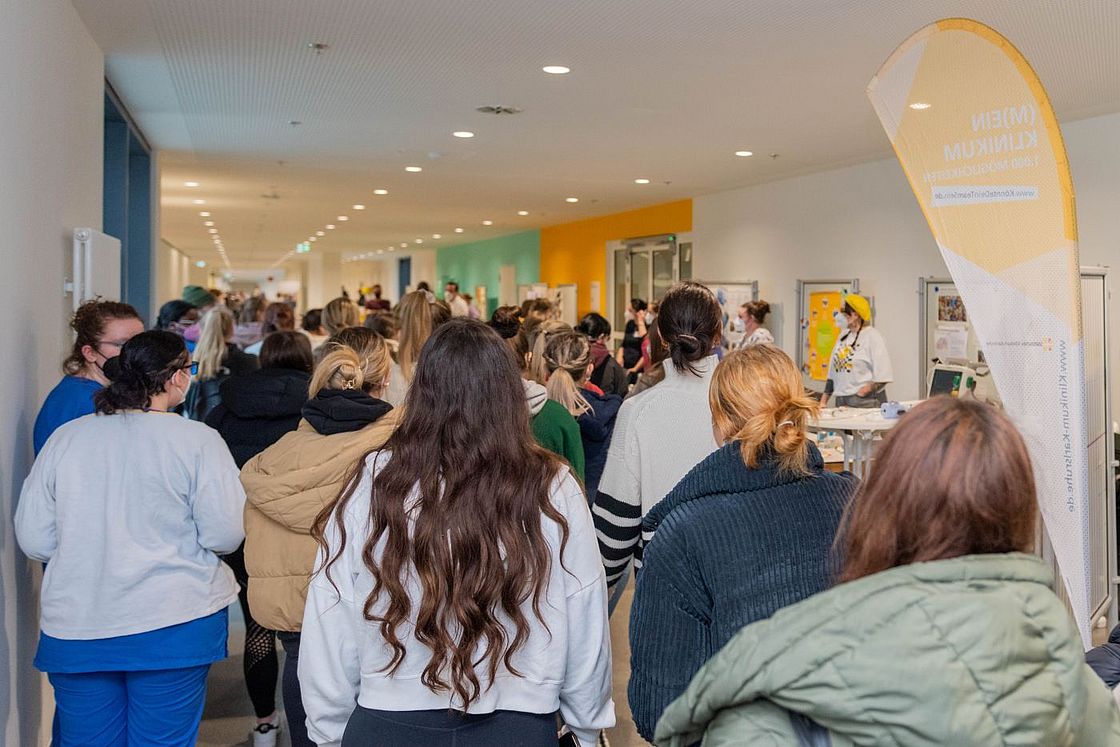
(193, 368)
(118, 344)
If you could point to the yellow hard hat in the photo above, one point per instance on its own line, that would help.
(859, 305)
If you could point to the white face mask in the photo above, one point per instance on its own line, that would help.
(840, 319)
(183, 391)
(629, 315)
(649, 318)
(738, 325)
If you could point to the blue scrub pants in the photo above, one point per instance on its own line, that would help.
(130, 709)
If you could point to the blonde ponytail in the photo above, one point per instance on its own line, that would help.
(757, 399)
(217, 331)
(356, 358)
(538, 335)
(565, 355)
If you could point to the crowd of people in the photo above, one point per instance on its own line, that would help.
(435, 516)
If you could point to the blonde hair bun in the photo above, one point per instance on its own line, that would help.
(757, 399)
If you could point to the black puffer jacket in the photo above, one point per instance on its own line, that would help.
(258, 408)
(204, 396)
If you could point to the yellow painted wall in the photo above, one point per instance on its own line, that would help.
(577, 252)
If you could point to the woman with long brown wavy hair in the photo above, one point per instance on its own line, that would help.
(460, 598)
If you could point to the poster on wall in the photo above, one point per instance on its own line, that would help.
(731, 297)
(818, 300)
(974, 131)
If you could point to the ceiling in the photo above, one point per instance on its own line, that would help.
(658, 89)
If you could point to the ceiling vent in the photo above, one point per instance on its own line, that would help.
(498, 110)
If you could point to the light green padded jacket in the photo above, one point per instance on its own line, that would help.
(970, 651)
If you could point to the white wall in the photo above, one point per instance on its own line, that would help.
(51, 173)
(363, 273)
(424, 268)
(863, 221)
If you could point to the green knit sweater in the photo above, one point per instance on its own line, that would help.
(556, 430)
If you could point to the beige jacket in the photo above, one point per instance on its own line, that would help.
(286, 486)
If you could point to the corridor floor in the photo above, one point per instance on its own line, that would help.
(228, 715)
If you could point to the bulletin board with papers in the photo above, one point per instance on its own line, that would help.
(946, 333)
(817, 301)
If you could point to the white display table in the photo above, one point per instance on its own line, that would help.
(859, 428)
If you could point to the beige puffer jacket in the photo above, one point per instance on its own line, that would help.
(286, 487)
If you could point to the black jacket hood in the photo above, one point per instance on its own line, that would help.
(266, 393)
(343, 411)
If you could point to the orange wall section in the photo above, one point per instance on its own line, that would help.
(577, 252)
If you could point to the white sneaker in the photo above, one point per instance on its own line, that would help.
(265, 735)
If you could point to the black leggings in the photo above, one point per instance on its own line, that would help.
(449, 729)
(260, 663)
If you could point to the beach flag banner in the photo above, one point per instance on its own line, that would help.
(978, 140)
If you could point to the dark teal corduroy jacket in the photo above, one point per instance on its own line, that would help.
(730, 546)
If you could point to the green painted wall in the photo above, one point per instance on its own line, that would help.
(478, 262)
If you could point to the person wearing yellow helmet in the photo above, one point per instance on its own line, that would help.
(860, 367)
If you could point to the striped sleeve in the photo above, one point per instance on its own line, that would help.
(618, 504)
(618, 525)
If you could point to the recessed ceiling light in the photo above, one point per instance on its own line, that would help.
(556, 69)
(320, 233)
(190, 184)
(330, 226)
(204, 214)
(200, 263)
(463, 133)
(404, 245)
(571, 199)
(380, 251)
(311, 238)
(413, 169)
(919, 105)
(522, 212)
(358, 207)
(392, 248)
(208, 223)
(343, 218)
(458, 230)
(744, 153)
(199, 202)
(212, 230)
(487, 222)
(641, 181)
(437, 235)
(419, 241)
(381, 191)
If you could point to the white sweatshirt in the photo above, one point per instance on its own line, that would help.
(129, 511)
(566, 668)
(660, 434)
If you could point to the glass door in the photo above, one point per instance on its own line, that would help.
(644, 269)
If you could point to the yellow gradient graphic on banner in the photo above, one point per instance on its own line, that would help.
(972, 127)
(977, 138)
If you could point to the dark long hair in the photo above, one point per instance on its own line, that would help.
(477, 547)
(953, 478)
(689, 322)
(146, 363)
